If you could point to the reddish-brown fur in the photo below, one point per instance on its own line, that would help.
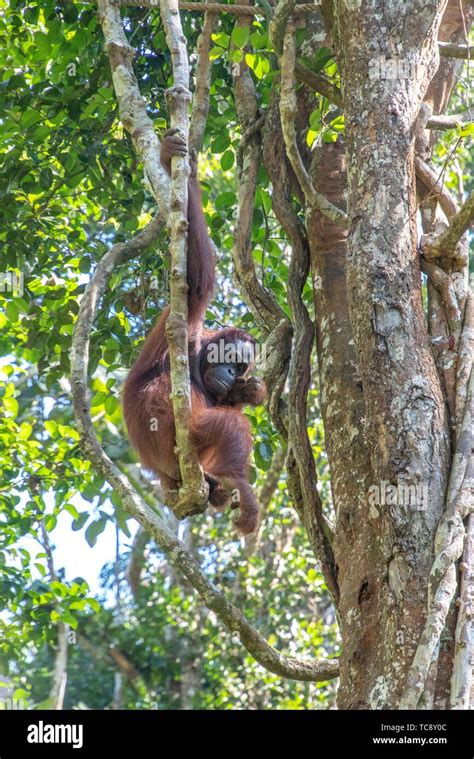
(219, 430)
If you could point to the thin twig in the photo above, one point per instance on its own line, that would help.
(203, 84)
(434, 183)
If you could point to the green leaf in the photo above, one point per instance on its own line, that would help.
(94, 604)
(215, 53)
(227, 160)
(315, 119)
(51, 427)
(221, 142)
(322, 57)
(240, 36)
(85, 265)
(89, 492)
(236, 56)
(329, 136)
(259, 64)
(111, 404)
(50, 522)
(71, 509)
(25, 431)
(79, 523)
(11, 405)
(311, 136)
(12, 311)
(221, 39)
(263, 455)
(225, 200)
(94, 530)
(29, 117)
(252, 475)
(69, 619)
(80, 605)
(258, 40)
(20, 693)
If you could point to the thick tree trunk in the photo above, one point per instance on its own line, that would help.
(342, 406)
(388, 56)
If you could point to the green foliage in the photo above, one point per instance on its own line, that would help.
(70, 186)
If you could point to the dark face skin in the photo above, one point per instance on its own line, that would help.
(220, 378)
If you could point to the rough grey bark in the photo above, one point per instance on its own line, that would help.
(443, 302)
(406, 423)
(343, 410)
(462, 677)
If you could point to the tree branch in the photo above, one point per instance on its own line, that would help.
(132, 107)
(449, 544)
(434, 183)
(465, 360)
(136, 561)
(449, 50)
(278, 24)
(193, 491)
(266, 310)
(446, 244)
(447, 329)
(288, 111)
(449, 122)
(109, 654)
(299, 378)
(302, 476)
(203, 84)
(58, 687)
(440, 290)
(319, 84)
(462, 677)
(443, 283)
